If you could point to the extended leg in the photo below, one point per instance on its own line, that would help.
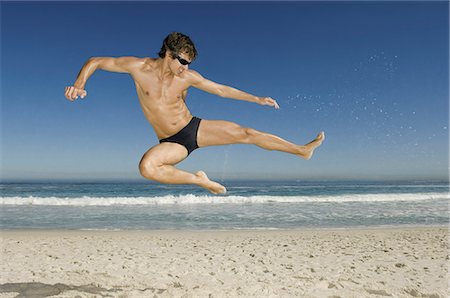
(158, 164)
(216, 132)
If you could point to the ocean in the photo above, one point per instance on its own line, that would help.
(247, 205)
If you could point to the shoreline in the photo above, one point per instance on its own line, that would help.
(396, 261)
(237, 230)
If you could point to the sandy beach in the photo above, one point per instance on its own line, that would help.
(406, 262)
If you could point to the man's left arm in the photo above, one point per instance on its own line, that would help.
(201, 83)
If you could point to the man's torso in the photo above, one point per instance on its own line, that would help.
(162, 100)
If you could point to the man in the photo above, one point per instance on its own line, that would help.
(161, 86)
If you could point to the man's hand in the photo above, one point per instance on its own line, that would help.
(268, 101)
(73, 92)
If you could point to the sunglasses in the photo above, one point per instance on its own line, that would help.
(182, 61)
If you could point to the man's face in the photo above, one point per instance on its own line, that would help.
(180, 63)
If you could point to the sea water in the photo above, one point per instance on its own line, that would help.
(247, 205)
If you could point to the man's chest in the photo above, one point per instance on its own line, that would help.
(155, 88)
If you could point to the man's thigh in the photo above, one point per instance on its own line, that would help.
(165, 153)
(218, 132)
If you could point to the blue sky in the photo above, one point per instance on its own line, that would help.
(372, 75)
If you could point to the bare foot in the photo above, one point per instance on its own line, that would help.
(212, 186)
(308, 149)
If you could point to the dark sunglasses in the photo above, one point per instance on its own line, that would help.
(182, 61)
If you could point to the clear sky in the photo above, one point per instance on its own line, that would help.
(372, 75)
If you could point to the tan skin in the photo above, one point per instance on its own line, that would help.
(162, 85)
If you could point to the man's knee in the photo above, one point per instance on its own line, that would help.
(149, 168)
(247, 134)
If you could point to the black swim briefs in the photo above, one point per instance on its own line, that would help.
(187, 136)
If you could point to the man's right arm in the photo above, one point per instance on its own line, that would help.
(121, 64)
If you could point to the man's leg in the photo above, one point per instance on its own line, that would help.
(217, 132)
(158, 164)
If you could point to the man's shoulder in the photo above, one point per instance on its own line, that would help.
(148, 60)
(192, 75)
(141, 63)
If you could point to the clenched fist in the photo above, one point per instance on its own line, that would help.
(73, 92)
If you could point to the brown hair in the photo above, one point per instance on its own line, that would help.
(176, 43)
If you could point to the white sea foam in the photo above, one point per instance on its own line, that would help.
(193, 199)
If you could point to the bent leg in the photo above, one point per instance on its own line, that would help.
(158, 164)
(217, 132)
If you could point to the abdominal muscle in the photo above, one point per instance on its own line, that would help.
(167, 117)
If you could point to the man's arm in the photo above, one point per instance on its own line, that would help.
(201, 83)
(121, 64)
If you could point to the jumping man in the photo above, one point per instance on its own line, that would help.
(161, 85)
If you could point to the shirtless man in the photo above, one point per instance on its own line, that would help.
(161, 85)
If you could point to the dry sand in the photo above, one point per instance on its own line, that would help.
(406, 262)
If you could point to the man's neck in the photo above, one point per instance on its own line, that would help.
(164, 71)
